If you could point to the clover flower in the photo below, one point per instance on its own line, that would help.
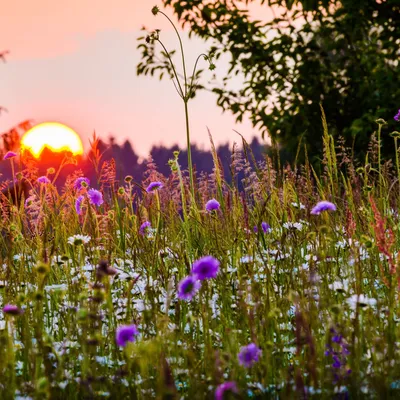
(95, 197)
(43, 179)
(81, 183)
(12, 309)
(125, 334)
(9, 154)
(188, 287)
(78, 205)
(144, 227)
(249, 355)
(397, 117)
(323, 206)
(154, 186)
(205, 268)
(212, 205)
(225, 388)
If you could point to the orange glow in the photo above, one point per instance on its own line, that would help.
(53, 135)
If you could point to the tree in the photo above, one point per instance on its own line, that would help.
(341, 54)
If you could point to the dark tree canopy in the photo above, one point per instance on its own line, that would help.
(341, 54)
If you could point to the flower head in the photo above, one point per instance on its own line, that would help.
(9, 154)
(212, 205)
(323, 206)
(205, 268)
(249, 354)
(188, 287)
(78, 205)
(95, 197)
(224, 388)
(154, 186)
(43, 179)
(264, 226)
(81, 182)
(144, 227)
(397, 117)
(12, 309)
(78, 240)
(125, 334)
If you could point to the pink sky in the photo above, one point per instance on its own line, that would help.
(75, 62)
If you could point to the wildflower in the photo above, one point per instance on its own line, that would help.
(362, 300)
(9, 154)
(95, 197)
(155, 10)
(264, 226)
(323, 206)
(81, 183)
(78, 205)
(154, 186)
(104, 269)
(43, 179)
(205, 268)
(225, 388)
(249, 354)
(188, 287)
(126, 333)
(144, 227)
(11, 309)
(78, 240)
(212, 205)
(397, 117)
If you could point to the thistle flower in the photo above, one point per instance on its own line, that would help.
(81, 183)
(78, 205)
(9, 154)
(125, 334)
(205, 268)
(225, 388)
(323, 206)
(188, 287)
(249, 355)
(154, 186)
(144, 227)
(212, 205)
(397, 117)
(12, 309)
(43, 179)
(95, 197)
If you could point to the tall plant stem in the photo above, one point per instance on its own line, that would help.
(189, 152)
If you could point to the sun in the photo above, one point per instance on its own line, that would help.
(53, 135)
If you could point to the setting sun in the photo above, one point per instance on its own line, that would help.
(53, 135)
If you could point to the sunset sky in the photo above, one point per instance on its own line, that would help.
(75, 62)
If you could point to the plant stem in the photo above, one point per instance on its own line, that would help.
(190, 165)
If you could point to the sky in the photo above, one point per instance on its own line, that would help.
(75, 61)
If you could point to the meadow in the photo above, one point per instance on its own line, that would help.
(156, 289)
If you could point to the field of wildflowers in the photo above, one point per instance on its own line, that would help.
(288, 289)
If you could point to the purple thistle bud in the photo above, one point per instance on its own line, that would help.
(212, 205)
(95, 197)
(188, 287)
(144, 227)
(43, 179)
(78, 205)
(125, 334)
(225, 388)
(82, 180)
(205, 268)
(154, 186)
(397, 117)
(11, 309)
(249, 354)
(323, 206)
(9, 154)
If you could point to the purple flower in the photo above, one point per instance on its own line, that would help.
(43, 179)
(143, 228)
(205, 268)
(154, 186)
(126, 333)
(224, 388)
(95, 197)
(249, 354)
(188, 287)
(9, 154)
(212, 205)
(264, 226)
(323, 206)
(11, 309)
(78, 183)
(78, 205)
(397, 117)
